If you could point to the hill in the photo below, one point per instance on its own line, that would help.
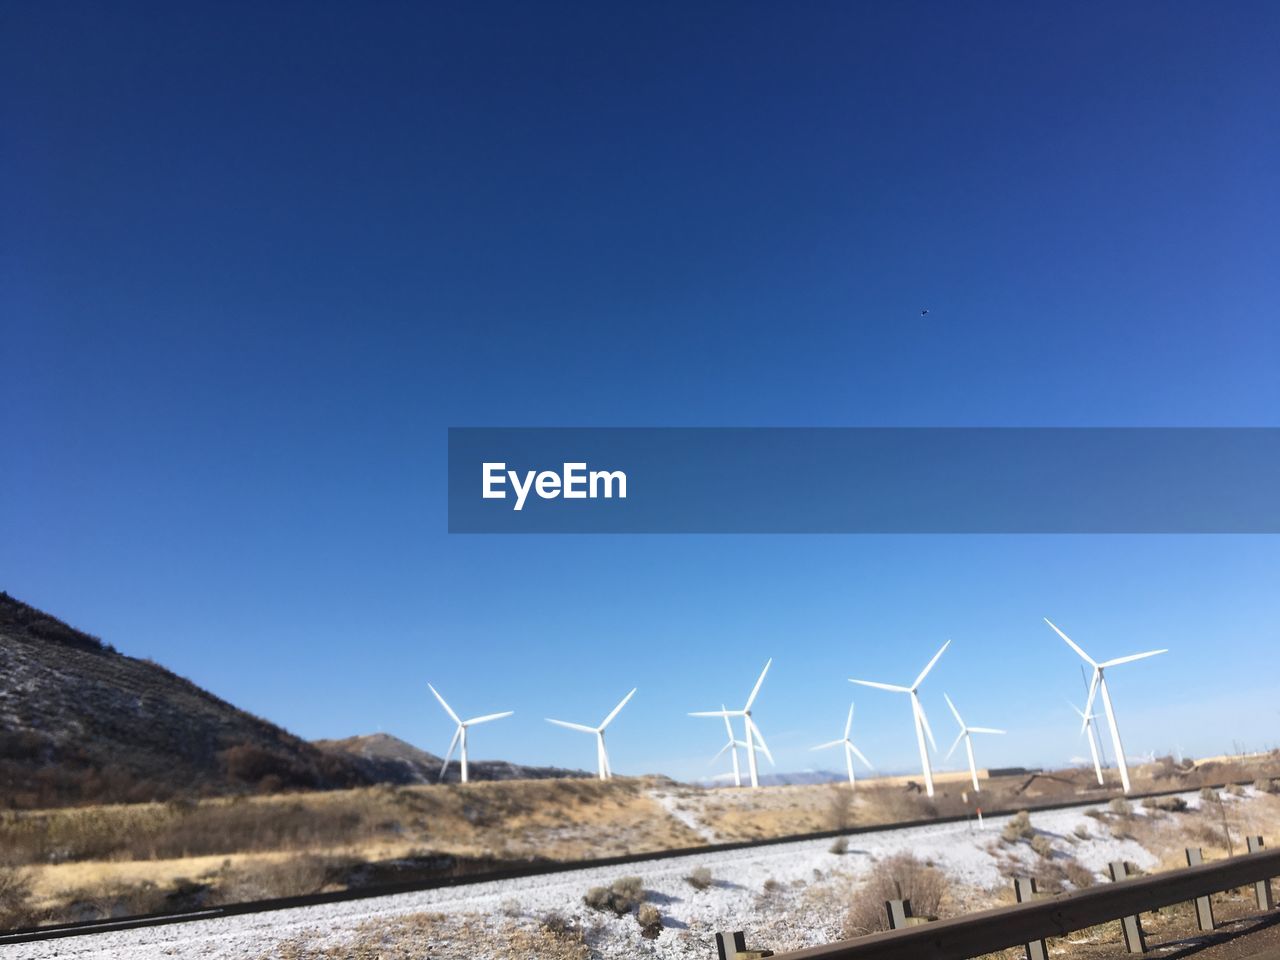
(81, 722)
(389, 759)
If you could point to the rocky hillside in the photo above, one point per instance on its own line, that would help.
(390, 760)
(83, 723)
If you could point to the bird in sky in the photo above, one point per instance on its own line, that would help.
(924, 313)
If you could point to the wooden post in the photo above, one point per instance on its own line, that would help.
(1204, 906)
(733, 946)
(1261, 889)
(1134, 939)
(1024, 889)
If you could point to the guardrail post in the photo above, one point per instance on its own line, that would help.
(1204, 906)
(1024, 889)
(1261, 889)
(901, 917)
(733, 946)
(1134, 939)
(899, 912)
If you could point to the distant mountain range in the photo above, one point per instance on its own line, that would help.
(389, 759)
(83, 723)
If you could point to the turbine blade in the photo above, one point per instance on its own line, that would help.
(959, 737)
(848, 724)
(925, 721)
(716, 713)
(728, 727)
(447, 709)
(487, 717)
(621, 703)
(1137, 656)
(756, 689)
(720, 753)
(925, 672)
(759, 738)
(1071, 643)
(986, 730)
(449, 753)
(881, 686)
(858, 753)
(825, 746)
(1088, 703)
(572, 726)
(954, 712)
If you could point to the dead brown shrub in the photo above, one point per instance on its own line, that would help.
(901, 877)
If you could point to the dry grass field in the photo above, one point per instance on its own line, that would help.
(97, 861)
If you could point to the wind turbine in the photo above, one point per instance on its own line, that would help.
(850, 751)
(1097, 684)
(964, 735)
(917, 712)
(602, 756)
(754, 737)
(1088, 719)
(460, 734)
(733, 744)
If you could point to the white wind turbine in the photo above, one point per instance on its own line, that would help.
(1088, 719)
(1099, 684)
(754, 737)
(602, 756)
(850, 751)
(917, 712)
(964, 735)
(733, 744)
(460, 734)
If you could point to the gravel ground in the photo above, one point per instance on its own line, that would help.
(773, 892)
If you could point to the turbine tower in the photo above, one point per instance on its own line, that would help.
(850, 751)
(1088, 719)
(917, 713)
(733, 744)
(602, 755)
(460, 734)
(964, 735)
(1098, 684)
(754, 736)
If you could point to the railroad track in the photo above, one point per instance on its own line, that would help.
(532, 869)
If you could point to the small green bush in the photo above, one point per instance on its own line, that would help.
(1042, 845)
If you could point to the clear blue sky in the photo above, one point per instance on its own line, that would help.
(258, 257)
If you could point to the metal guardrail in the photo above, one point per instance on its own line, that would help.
(1033, 921)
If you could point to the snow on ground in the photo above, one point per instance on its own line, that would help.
(671, 803)
(742, 878)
